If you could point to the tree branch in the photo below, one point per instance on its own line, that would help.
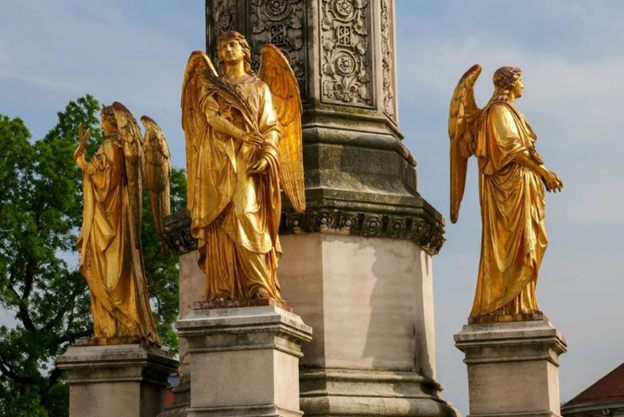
(7, 370)
(23, 311)
(54, 376)
(22, 314)
(63, 311)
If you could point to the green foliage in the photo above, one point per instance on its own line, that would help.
(40, 217)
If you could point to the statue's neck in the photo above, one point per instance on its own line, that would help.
(235, 72)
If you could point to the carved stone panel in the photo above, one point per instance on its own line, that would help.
(221, 16)
(346, 69)
(224, 15)
(387, 59)
(282, 23)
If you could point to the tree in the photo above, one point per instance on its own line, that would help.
(40, 216)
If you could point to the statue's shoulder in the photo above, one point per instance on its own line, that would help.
(111, 144)
(258, 83)
(501, 110)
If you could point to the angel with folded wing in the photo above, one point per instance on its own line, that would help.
(243, 145)
(512, 177)
(110, 239)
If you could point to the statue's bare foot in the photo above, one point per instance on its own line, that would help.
(261, 294)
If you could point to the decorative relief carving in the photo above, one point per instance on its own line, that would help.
(224, 16)
(178, 233)
(281, 22)
(345, 42)
(387, 59)
(416, 229)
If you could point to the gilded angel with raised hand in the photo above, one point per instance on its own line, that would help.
(110, 239)
(243, 145)
(512, 177)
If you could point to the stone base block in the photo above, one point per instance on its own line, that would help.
(244, 361)
(512, 368)
(116, 381)
(340, 392)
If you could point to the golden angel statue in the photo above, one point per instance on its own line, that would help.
(512, 177)
(110, 239)
(243, 143)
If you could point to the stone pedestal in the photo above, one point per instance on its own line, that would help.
(116, 381)
(370, 302)
(512, 368)
(244, 361)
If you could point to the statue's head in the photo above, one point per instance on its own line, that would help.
(507, 80)
(233, 47)
(109, 123)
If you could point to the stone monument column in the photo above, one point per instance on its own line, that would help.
(357, 265)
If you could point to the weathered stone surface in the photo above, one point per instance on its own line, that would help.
(192, 288)
(366, 392)
(244, 361)
(512, 368)
(343, 54)
(370, 302)
(116, 381)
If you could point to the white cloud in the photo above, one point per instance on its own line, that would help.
(64, 49)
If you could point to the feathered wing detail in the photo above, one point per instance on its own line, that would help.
(279, 76)
(194, 122)
(157, 174)
(132, 140)
(462, 128)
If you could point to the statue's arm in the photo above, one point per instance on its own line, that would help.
(550, 179)
(225, 127)
(79, 156)
(527, 160)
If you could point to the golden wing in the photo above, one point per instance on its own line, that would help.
(462, 129)
(157, 174)
(194, 122)
(277, 74)
(132, 140)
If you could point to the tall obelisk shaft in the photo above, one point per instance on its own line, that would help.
(360, 178)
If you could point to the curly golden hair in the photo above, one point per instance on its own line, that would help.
(108, 114)
(505, 79)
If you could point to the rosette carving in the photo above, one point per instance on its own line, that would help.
(346, 56)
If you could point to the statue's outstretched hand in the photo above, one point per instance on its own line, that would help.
(552, 181)
(82, 141)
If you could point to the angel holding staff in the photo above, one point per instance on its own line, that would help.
(512, 178)
(243, 144)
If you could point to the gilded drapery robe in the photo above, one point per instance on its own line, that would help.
(236, 214)
(111, 261)
(512, 208)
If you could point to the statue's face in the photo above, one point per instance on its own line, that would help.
(517, 90)
(107, 128)
(231, 52)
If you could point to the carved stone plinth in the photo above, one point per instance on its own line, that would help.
(116, 381)
(370, 302)
(244, 361)
(512, 368)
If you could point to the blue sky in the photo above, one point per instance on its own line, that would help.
(572, 56)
